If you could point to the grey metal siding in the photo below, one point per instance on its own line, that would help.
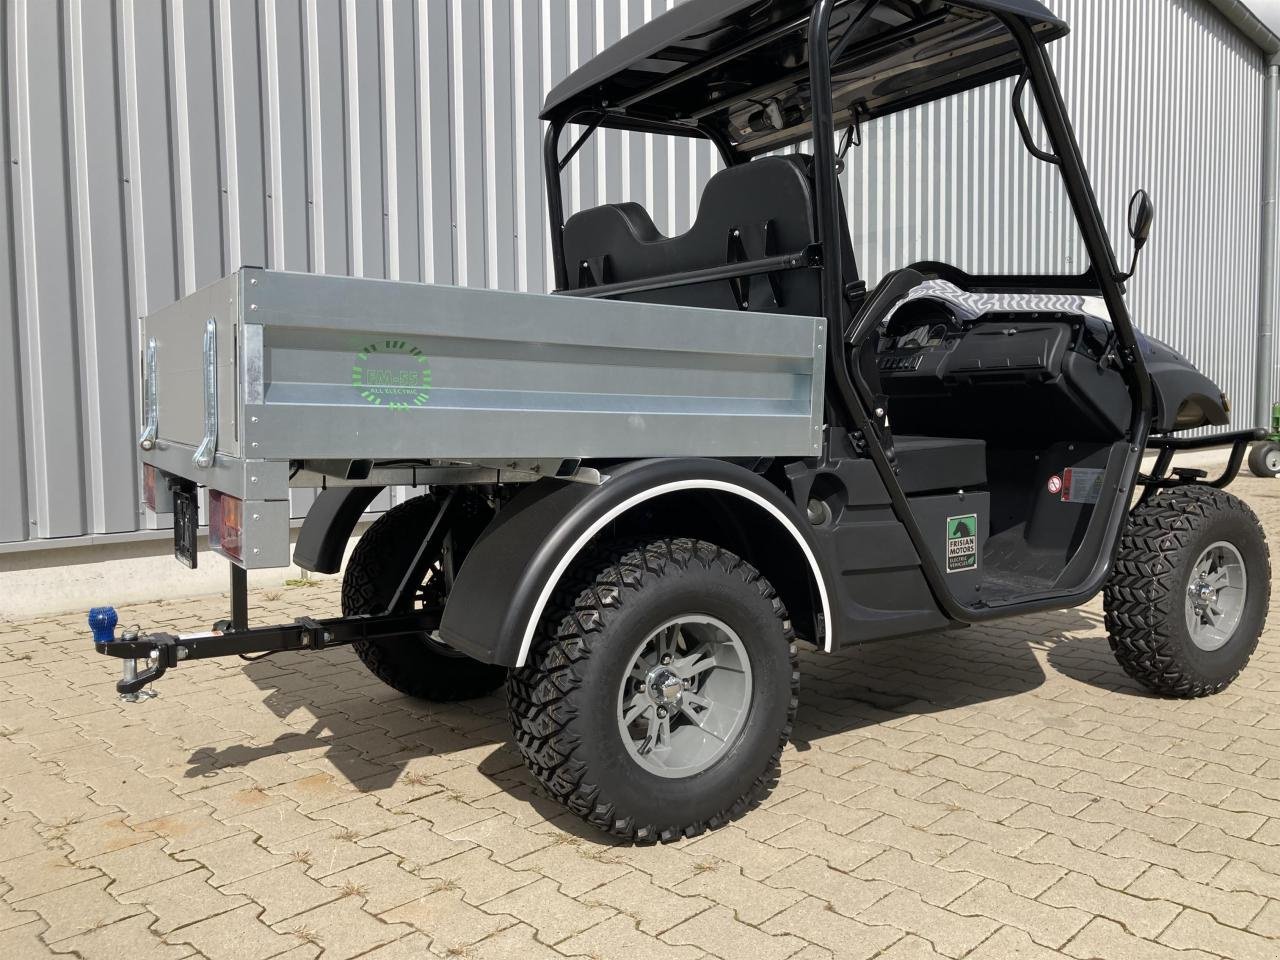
(13, 480)
(1177, 98)
(153, 145)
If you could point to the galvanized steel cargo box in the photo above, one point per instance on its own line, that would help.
(266, 370)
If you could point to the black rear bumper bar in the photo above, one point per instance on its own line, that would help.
(1159, 478)
(153, 654)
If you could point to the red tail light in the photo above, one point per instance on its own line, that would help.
(225, 524)
(149, 485)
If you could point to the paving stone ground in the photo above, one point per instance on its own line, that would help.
(994, 793)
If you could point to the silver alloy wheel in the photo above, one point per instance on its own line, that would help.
(1272, 460)
(685, 696)
(1216, 596)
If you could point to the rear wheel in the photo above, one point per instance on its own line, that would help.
(660, 691)
(1187, 600)
(419, 666)
(1264, 459)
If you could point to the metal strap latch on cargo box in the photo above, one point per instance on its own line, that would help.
(209, 446)
(150, 405)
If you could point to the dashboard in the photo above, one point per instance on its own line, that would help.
(936, 367)
(926, 338)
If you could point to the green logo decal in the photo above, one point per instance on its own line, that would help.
(392, 374)
(962, 543)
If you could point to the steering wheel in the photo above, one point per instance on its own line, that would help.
(863, 338)
(889, 292)
(933, 317)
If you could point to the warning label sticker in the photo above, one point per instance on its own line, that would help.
(1082, 485)
(962, 543)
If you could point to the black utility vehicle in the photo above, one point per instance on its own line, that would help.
(636, 510)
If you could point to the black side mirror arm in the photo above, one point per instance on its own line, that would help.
(1133, 268)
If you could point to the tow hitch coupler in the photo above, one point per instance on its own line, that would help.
(144, 659)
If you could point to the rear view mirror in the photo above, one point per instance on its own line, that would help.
(1142, 214)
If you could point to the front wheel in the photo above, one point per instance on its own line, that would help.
(1264, 459)
(658, 696)
(1187, 599)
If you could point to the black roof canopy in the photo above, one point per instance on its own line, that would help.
(739, 68)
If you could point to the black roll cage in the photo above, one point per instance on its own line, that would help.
(847, 407)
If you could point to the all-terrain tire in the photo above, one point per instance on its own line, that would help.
(564, 702)
(1146, 596)
(1264, 459)
(416, 666)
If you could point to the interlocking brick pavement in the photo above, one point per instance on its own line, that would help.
(992, 793)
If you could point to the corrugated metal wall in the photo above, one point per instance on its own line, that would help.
(153, 146)
(1166, 95)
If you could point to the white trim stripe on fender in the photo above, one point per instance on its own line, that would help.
(674, 487)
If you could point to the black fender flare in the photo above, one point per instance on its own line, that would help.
(322, 541)
(506, 582)
(1186, 395)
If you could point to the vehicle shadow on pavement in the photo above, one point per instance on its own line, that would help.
(1086, 657)
(371, 740)
(929, 673)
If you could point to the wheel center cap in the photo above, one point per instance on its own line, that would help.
(664, 686)
(1202, 595)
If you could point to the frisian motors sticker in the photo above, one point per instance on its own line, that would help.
(393, 374)
(962, 543)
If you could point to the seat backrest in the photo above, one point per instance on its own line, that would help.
(769, 202)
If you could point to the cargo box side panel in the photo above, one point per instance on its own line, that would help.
(383, 370)
(179, 332)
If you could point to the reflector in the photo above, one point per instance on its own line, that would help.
(225, 524)
(149, 485)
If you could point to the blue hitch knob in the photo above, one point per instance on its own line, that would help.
(102, 621)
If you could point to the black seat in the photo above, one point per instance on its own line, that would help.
(927, 464)
(749, 211)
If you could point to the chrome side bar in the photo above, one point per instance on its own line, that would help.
(150, 405)
(209, 446)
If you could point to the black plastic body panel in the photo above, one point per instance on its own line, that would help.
(880, 589)
(1100, 390)
(938, 463)
(498, 592)
(1185, 397)
(1008, 377)
(936, 515)
(322, 541)
(1014, 348)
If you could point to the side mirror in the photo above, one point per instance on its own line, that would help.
(1142, 214)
